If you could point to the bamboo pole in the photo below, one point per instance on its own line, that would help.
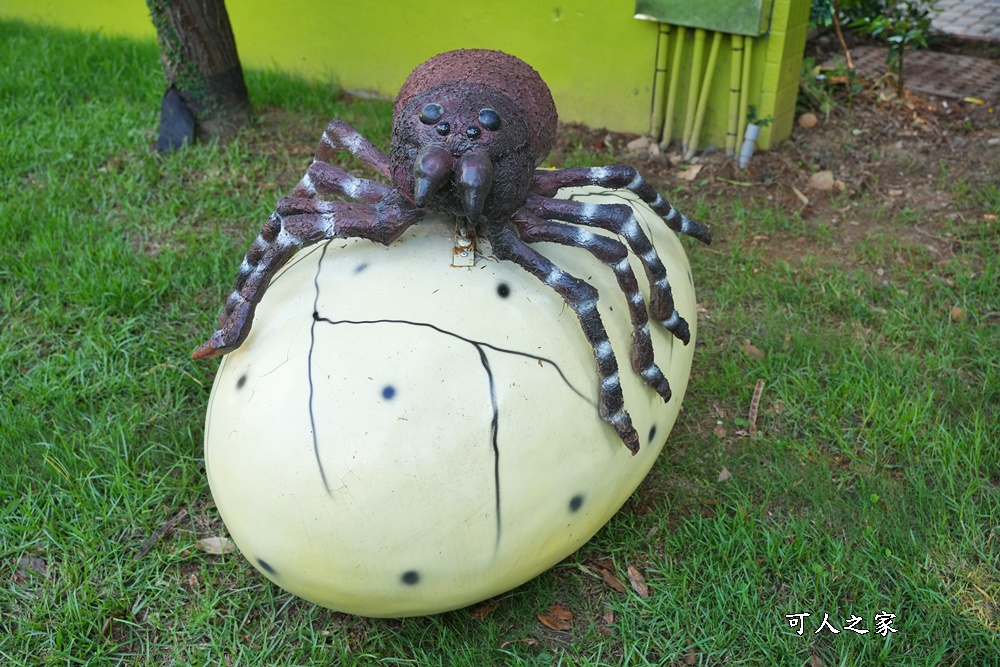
(735, 77)
(692, 100)
(745, 88)
(675, 75)
(706, 89)
(659, 82)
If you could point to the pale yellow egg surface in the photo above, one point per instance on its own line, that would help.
(400, 437)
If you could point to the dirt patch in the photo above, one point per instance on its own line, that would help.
(920, 154)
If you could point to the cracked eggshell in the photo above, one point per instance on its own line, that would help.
(399, 437)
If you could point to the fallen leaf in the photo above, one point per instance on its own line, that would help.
(815, 661)
(690, 173)
(691, 657)
(612, 581)
(895, 193)
(554, 623)
(530, 641)
(957, 314)
(483, 610)
(719, 431)
(751, 350)
(217, 545)
(605, 563)
(724, 476)
(561, 612)
(638, 582)
(609, 616)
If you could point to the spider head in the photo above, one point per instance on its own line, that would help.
(462, 149)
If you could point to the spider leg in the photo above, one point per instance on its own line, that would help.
(547, 182)
(612, 252)
(297, 223)
(620, 219)
(339, 136)
(325, 179)
(582, 298)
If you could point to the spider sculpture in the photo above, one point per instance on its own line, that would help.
(469, 129)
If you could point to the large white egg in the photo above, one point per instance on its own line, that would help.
(430, 437)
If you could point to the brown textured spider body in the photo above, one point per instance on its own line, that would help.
(469, 129)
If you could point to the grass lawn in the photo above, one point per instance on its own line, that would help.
(872, 484)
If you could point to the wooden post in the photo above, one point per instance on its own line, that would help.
(206, 95)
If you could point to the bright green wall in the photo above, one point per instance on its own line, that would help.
(597, 59)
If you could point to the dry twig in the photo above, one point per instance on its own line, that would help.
(157, 534)
(754, 406)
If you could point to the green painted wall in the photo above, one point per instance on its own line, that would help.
(598, 60)
(595, 57)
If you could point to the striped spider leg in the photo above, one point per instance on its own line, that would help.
(612, 252)
(296, 223)
(621, 219)
(339, 136)
(547, 182)
(582, 299)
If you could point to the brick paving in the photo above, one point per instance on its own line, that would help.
(943, 74)
(969, 19)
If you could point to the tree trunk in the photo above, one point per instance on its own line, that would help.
(206, 96)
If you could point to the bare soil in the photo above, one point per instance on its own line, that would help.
(918, 154)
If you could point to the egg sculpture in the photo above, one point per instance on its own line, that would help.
(398, 437)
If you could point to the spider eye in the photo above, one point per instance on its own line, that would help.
(490, 119)
(431, 113)
(443, 128)
(472, 132)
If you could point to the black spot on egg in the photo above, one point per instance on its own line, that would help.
(411, 578)
(388, 392)
(264, 565)
(360, 267)
(652, 432)
(503, 289)
(576, 502)
(242, 381)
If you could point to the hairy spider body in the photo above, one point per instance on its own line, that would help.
(469, 129)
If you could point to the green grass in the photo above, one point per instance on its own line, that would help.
(873, 483)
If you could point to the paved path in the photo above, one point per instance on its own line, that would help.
(970, 19)
(947, 75)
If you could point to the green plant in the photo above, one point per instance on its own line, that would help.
(821, 89)
(903, 26)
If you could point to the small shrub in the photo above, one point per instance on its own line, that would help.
(903, 26)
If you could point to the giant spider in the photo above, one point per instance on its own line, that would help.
(469, 129)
